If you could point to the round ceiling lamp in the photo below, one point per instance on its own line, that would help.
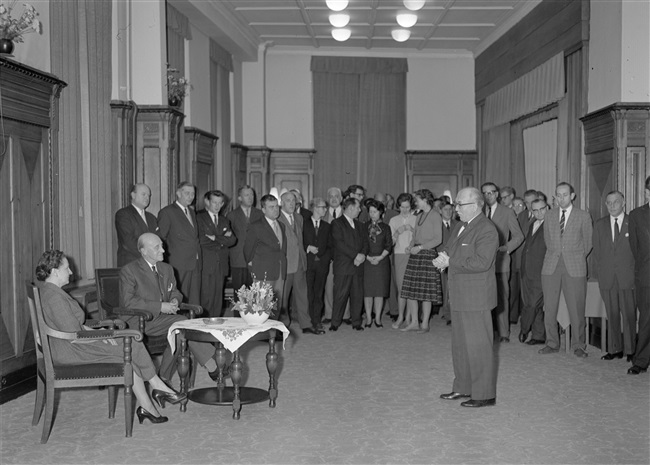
(341, 34)
(339, 19)
(400, 35)
(414, 5)
(407, 19)
(337, 5)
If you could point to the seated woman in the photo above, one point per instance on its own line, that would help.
(62, 313)
(376, 267)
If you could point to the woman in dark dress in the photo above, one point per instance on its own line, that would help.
(376, 271)
(62, 313)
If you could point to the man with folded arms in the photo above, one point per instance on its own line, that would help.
(148, 284)
(470, 258)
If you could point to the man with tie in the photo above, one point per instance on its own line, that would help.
(265, 249)
(532, 259)
(149, 284)
(639, 224)
(568, 236)
(215, 237)
(133, 221)
(510, 237)
(178, 228)
(614, 266)
(315, 237)
(448, 224)
(469, 257)
(334, 210)
(349, 246)
(239, 219)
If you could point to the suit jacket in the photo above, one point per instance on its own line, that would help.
(182, 239)
(613, 260)
(532, 254)
(639, 224)
(214, 254)
(446, 233)
(524, 224)
(472, 254)
(239, 224)
(262, 250)
(321, 241)
(510, 235)
(141, 289)
(305, 213)
(574, 245)
(130, 227)
(296, 257)
(345, 243)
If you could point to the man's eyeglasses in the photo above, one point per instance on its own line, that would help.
(320, 206)
(540, 209)
(458, 205)
(490, 193)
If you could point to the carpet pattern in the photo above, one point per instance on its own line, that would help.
(367, 397)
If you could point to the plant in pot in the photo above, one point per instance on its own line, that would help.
(177, 87)
(256, 303)
(12, 27)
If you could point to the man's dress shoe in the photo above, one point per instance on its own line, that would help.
(347, 321)
(358, 328)
(504, 339)
(635, 370)
(478, 403)
(522, 337)
(547, 350)
(309, 330)
(630, 357)
(334, 328)
(609, 356)
(327, 320)
(454, 396)
(534, 342)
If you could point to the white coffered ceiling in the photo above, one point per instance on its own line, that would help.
(446, 26)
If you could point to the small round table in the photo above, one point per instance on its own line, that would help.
(229, 334)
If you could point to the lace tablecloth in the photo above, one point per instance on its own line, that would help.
(231, 332)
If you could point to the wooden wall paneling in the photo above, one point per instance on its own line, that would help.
(200, 157)
(293, 169)
(157, 161)
(28, 168)
(257, 170)
(440, 170)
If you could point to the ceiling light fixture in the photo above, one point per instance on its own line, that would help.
(337, 5)
(414, 5)
(407, 19)
(341, 34)
(339, 19)
(400, 35)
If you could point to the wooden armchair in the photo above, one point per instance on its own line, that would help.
(52, 375)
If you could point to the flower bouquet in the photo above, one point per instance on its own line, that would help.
(177, 87)
(256, 303)
(12, 28)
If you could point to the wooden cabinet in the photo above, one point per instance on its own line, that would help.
(28, 208)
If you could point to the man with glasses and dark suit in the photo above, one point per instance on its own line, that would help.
(469, 257)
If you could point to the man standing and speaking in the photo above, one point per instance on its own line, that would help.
(470, 256)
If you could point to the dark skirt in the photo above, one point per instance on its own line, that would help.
(422, 279)
(376, 279)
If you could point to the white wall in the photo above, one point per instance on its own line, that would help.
(197, 65)
(35, 50)
(440, 102)
(635, 63)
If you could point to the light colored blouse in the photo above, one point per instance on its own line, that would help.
(403, 240)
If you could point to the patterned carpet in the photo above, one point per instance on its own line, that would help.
(369, 397)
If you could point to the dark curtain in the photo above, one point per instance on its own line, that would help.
(359, 123)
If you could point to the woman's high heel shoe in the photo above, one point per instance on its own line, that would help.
(142, 414)
(172, 397)
(379, 325)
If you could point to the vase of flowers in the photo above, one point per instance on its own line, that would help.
(177, 87)
(256, 303)
(13, 27)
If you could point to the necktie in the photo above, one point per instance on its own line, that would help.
(155, 271)
(536, 226)
(278, 233)
(215, 220)
(143, 216)
(617, 230)
(316, 227)
(291, 221)
(490, 213)
(447, 225)
(562, 221)
(334, 213)
(187, 214)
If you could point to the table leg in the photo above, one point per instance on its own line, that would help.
(183, 369)
(271, 366)
(235, 375)
(220, 358)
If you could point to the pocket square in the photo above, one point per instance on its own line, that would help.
(627, 234)
(171, 286)
(463, 245)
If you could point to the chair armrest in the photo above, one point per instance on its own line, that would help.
(147, 315)
(192, 309)
(109, 334)
(111, 324)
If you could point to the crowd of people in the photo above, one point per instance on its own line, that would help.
(483, 262)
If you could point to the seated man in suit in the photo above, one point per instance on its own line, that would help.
(532, 259)
(315, 236)
(614, 267)
(149, 284)
(133, 221)
(349, 245)
(265, 249)
(215, 237)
